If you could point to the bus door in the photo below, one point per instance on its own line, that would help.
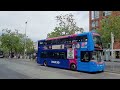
(83, 61)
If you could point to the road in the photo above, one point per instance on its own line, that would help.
(21, 69)
(113, 67)
(6, 73)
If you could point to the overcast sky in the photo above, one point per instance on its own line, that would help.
(39, 22)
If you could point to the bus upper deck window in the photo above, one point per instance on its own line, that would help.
(84, 38)
(40, 43)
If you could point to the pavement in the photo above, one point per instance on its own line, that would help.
(113, 67)
(113, 60)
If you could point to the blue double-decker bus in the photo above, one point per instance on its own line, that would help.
(80, 52)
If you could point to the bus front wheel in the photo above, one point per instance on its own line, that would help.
(73, 67)
(45, 63)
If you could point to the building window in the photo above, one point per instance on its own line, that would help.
(94, 23)
(92, 14)
(107, 13)
(95, 14)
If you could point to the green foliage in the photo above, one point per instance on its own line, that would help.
(14, 42)
(29, 45)
(66, 26)
(110, 24)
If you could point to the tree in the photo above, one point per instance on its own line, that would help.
(29, 45)
(6, 40)
(110, 24)
(66, 26)
(14, 42)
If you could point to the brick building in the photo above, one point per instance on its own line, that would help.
(96, 16)
(94, 23)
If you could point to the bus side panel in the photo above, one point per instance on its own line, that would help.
(40, 60)
(38, 56)
(94, 67)
(60, 63)
(64, 63)
(83, 66)
(90, 42)
(49, 62)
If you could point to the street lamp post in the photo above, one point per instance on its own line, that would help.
(25, 41)
(112, 42)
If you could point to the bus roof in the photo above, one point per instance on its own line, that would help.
(73, 35)
(42, 40)
(96, 34)
(84, 33)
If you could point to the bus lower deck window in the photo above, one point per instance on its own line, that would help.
(85, 56)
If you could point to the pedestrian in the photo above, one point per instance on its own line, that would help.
(31, 56)
(18, 56)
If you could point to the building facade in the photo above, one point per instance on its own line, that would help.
(94, 23)
(96, 16)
